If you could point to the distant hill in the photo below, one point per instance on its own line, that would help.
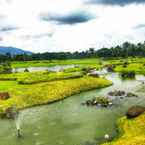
(13, 50)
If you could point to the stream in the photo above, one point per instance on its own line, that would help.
(68, 122)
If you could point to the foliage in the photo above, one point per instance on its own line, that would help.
(128, 74)
(82, 62)
(37, 77)
(125, 50)
(104, 101)
(5, 67)
(132, 132)
(42, 93)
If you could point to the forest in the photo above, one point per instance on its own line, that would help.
(125, 50)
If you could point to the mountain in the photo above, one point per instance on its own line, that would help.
(13, 50)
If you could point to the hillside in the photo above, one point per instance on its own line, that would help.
(13, 50)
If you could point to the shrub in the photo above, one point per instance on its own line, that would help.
(128, 74)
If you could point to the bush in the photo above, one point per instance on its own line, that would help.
(26, 70)
(5, 67)
(103, 101)
(126, 74)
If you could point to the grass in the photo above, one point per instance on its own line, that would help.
(132, 132)
(46, 92)
(34, 88)
(91, 62)
(37, 77)
(135, 67)
(134, 64)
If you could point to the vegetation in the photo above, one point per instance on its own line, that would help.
(132, 132)
(28, 95)
(98, 101)
(5, 67)
(37, 77)
(128, 74)
(125, 50)
(94, 62)
(104, 101)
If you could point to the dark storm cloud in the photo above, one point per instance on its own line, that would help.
(115, 2)
(70, 19)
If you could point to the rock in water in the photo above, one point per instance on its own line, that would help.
(135, 111)
(106, 136)
(4, 95)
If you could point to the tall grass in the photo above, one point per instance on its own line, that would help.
(43, 93)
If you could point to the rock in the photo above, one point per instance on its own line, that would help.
(116, 93)
(131, 95)
(93, 74)
(88, 70)
(88, 102)
(103, 101)
(110, 103)
(135, 111)
(110, 68)
(106, 136)
(11, 112)
(4, 96)
(99, 101)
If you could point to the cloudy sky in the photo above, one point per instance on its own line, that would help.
(70, 25)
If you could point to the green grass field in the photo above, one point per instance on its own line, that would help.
(90, 62)
(38, 77)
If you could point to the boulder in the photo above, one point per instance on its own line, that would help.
(131, 95)
(4, 96)
(116, 93)
(135, 111)
(99, 101)
(93, 74)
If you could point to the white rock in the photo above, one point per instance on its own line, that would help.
(106, 136)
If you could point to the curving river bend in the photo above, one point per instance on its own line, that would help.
(68, 122)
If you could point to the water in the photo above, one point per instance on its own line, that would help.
(68, 122)
(52, 68)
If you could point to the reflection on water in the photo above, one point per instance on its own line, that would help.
(52, 68)
(68, 122)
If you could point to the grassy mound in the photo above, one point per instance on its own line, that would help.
(132, 130)
(37, 77)
(43, 93)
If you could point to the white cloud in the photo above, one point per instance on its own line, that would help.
(112, 26)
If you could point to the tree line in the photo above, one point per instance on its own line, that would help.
(125, 50)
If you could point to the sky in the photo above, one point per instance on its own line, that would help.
(70, 25)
